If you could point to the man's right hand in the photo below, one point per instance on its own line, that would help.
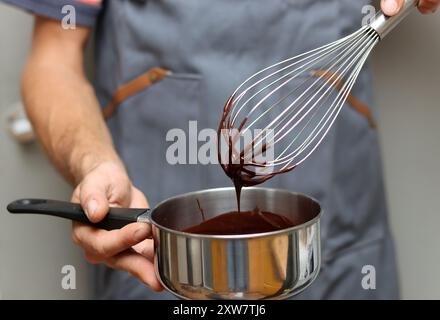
(129, 248)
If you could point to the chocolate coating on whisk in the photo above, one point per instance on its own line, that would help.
(242, 174)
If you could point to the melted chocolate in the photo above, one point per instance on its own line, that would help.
(202, 212)
(245, 222)
(242, 174)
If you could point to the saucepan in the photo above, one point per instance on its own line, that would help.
(271, 265)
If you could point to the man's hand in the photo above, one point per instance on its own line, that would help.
(392, 7)
(126, 249)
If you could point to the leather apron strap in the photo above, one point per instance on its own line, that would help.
(156, 74)
(356, 104)
(136, 85)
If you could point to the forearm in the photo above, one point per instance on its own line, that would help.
(64, 111)
(66, 116)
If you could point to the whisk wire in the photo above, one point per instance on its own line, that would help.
(318, 53)
(305, 94)
(336, 103)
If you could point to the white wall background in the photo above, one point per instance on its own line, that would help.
(407, 66)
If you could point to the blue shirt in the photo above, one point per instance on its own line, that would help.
(86, 11)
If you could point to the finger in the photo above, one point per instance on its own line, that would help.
(391, 7)
(138, 266)
(138, 199)
(93, 198)
(145, 248)
(119, 188)
(103, 244)
(75, 195)
(428, 6)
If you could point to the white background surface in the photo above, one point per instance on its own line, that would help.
(407, 69)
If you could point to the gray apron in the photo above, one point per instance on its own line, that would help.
(211, 47)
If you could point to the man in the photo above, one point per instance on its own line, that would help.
(210, 47)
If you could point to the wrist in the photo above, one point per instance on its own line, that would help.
(86, 161)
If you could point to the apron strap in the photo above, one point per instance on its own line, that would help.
(133, 87)
(356, 104)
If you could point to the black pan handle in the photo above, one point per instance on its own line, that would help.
(115, 219)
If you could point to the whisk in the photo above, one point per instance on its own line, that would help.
(295, 102)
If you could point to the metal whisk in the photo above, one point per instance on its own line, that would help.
(295, 102)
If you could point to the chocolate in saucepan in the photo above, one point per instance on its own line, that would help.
(244, 222)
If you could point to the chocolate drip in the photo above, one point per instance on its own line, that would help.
(202, 213)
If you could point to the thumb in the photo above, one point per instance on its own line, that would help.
(391, 7)
(93, 199)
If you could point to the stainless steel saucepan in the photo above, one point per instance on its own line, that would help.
(272, 265)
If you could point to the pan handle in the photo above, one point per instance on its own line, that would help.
(115, 219)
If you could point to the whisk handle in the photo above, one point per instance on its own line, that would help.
(383, 24)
